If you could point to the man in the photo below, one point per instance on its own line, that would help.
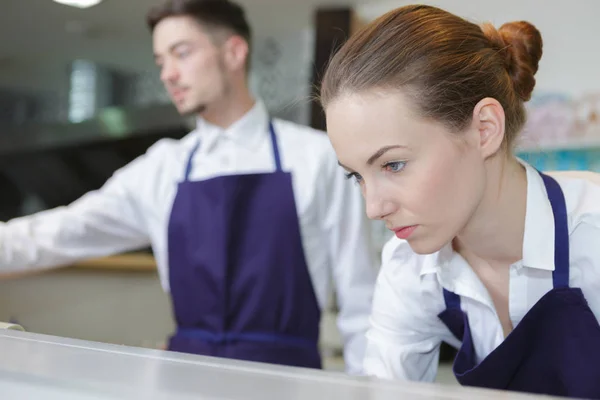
(248, 217)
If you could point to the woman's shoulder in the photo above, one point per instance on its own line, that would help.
(582, 196)
(408, 297)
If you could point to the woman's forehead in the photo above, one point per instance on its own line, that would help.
(372, 117)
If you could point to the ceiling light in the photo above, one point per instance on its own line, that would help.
(79, 3)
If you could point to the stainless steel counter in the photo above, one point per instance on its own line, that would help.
(34, 366)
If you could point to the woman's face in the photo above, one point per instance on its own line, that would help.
(424, 181)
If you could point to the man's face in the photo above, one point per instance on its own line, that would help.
(193, 67)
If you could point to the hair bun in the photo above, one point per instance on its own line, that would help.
(521, 45)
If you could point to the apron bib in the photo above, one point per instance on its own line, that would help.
(239, 281)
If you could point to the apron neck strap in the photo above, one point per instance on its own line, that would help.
(452, 300)
(188, 166)
(560, 275)
(275, 147)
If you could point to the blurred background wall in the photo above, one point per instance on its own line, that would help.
(80, 97)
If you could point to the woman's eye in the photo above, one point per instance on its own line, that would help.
(395, 166)
(354, 175)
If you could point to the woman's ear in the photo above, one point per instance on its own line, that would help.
(489, 120)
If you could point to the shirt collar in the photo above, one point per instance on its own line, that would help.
(538, 240)
(247, 131)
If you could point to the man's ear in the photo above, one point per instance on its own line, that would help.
(236, 53)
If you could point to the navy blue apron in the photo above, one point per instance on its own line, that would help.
(554, 350)
(239, 282)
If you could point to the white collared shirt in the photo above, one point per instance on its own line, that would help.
(132, 211)
(405, 335)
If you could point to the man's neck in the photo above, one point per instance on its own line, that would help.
(229, 110)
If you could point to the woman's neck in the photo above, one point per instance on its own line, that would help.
(495, 232)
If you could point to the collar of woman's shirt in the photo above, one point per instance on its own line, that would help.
(454, 273)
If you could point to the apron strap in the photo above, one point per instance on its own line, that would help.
(188, 166)
(560, 275)
(275, 147)
(452, 300)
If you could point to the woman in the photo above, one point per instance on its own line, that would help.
(491, 256)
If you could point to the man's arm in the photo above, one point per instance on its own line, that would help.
(100, 223)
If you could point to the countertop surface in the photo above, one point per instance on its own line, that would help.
(47, 367)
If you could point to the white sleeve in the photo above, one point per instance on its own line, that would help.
(404, 339)
(353, 260)
(102, 222)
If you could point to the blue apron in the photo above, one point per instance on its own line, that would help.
(554, 350)
(239, 281)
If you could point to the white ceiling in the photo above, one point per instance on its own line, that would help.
(38, 38)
